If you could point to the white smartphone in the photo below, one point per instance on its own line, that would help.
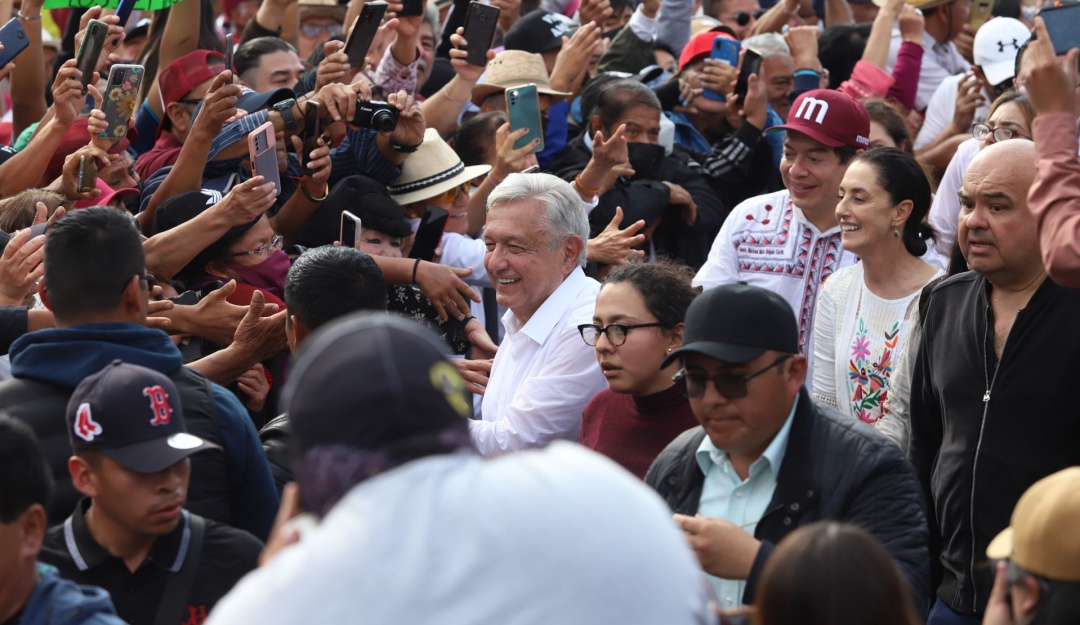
(350, 230)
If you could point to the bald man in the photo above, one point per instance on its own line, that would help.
(993, 407)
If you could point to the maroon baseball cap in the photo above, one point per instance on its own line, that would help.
(181, 76)
(830, 117)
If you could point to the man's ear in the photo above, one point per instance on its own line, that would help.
(595, 125)
(32, 525)
(83, 476)
(299, 332)
(796, 373)
(572, 248)
(44, 295)
(134, 299)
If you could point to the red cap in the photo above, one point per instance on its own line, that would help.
(830, 117)
(700, 47)
(78, 136)
(107, 195)
(181, 76)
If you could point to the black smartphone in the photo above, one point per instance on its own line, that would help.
(123, 11)
(751, 64)
(1063, 26)
(90, 50)
(351, 230)
(310, 144)
(228, 51)
(88, 170)
(13, 37)
(480, 22)
(362, 33)
(430, 233)
(411, 8)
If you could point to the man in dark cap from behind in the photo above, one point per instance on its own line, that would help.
(398, 497)
(130, 534)
(767, 459)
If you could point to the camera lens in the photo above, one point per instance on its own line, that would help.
(383, 121)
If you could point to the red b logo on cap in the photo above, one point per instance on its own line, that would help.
(159, 403)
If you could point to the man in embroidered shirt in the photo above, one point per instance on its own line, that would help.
(543, 374)
(131, 535)
(789, 241)
(767, 459)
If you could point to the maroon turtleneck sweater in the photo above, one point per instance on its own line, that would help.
(634, 430)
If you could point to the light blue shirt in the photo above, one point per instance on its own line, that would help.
(742, 502)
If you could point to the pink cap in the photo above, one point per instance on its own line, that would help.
(830, 117)
(700, 47)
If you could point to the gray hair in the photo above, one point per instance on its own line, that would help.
(564, 216)
(431, 16)
(768, 45)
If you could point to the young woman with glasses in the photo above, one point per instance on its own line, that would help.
(637, 322)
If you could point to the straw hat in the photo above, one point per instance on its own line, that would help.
(513, 68)
(433, 169)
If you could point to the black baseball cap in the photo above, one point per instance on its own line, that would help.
(538, 31)
(735, 323)
(133, 415)
(369, 380)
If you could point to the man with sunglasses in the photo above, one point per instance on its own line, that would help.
(97, 288)
(767, 459)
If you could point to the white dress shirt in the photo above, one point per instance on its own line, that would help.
(543, 374)
(939, 60)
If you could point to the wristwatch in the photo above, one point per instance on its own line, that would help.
(285, 109)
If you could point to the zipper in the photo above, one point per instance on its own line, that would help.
(978, 443)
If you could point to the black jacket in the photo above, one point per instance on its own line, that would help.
(275, 442)
(976, 456)
(835, 468)
(648, 198)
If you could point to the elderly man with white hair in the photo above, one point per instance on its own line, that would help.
(543, 374)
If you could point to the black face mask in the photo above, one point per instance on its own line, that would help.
(645, 160)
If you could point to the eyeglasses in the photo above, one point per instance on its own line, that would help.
(982, 131)
(312, 31)
(616, 332)
(742, 18)
(274, 245)
(730, 386)
(448, 197)
(148, 278)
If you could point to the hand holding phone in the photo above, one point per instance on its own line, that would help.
(90, 51)
(262, 148)
(480, 23)
(119, 99)
(229, 52)
(523, 110)
(430, 233)
(13, 37)
(726, 51)
(88, 171)
(363, 32)
(350, 230)
(751, 64)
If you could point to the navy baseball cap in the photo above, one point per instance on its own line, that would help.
(735, 323)
(133, 415)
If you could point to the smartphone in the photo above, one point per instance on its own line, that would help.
(531, 170)
(123, 11)
(430, 233)
(119, 98)
(1063, 26)
(310, 144)
(751, 64)
(14, 39)
(726, 51)
(411, 8)
(480, 22)
(981, 12)
(362, 33)
(90, 51)
(88, 168)
(523, 109)
(262, 147)
(228, 51)
(350, 230)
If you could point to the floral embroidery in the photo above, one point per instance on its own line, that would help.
(868, 379)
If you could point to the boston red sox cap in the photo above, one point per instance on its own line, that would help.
(133, 415)
(736, 323)
(830, 117)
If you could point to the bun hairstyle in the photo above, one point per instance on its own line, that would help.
(901, 176)
(664, 285)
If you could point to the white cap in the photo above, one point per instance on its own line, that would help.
(996, 46)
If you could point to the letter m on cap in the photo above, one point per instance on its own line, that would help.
(807, 108)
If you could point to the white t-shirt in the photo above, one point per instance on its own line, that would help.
(561, 535)
(942, 109)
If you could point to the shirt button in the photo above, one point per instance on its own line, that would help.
(738, 494)
(729, 601)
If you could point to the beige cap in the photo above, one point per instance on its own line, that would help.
(432, 169)
(310, 9)
(514, 68)
(1043, 537)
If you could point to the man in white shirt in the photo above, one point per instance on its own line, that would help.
(543, 374)
(789, 241)
(945, 20)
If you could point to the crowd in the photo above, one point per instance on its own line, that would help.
(675, 311)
